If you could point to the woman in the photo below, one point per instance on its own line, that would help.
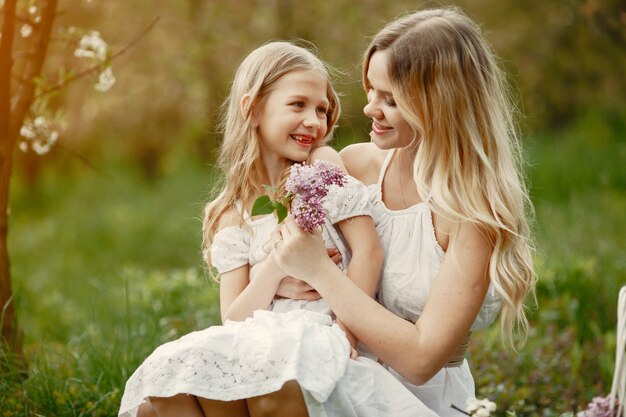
(448, 202)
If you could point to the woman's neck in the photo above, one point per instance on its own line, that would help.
(405, 158)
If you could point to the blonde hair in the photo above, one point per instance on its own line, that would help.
(240, 156)
(449, 89)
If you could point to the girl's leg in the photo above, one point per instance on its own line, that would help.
(213, 408)
(178, 405)
(146, 410)
(287, 402)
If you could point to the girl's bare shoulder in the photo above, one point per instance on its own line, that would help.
(326, 153)
(230, 217)
(363, 161)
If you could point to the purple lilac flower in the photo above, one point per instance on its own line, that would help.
(309, 184)
(599, 407)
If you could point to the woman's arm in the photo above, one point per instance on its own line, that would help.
(453, 304)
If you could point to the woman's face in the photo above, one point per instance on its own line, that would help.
(389, 129)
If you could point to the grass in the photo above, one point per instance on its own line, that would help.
(105, 269)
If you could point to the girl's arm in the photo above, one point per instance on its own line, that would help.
(418, 351)
(361, 238)
(238, 296)
(367, 259)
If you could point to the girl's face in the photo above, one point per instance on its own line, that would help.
(292, 118)
(389, 129)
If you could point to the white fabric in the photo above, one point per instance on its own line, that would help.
(295, 340)
(618, 388)
(412, 260)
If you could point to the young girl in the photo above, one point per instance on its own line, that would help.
(281, 110)
(448, 202)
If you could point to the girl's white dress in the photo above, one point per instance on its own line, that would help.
(293, 340)
(412, 259)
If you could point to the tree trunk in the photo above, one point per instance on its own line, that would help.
(10, 332)
(13, 108)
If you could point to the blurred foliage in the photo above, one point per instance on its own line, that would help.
(564, 58)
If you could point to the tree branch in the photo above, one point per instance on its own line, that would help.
(95, 67)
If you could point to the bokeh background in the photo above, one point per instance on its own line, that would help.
(105, 228)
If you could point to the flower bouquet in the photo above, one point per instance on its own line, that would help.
(307, 187)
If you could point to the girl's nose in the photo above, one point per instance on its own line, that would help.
(311, 120)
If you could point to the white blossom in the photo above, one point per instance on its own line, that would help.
(39, 122)
(480, 408)
(28, 132)
(32, 9)
(26, 30)
(106, 80)
(39, 135)
(93, 47)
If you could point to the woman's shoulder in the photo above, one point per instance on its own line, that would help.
(363, 161)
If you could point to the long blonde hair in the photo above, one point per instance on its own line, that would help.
(240, 156)
(449, 89)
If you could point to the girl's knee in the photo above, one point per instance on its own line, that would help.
(146, 410)
(287, 402)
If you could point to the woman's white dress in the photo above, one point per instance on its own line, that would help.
(293, 340)
(412, 260)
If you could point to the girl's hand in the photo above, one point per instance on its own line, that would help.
(296, 289)
(353, 353)
(299, 253)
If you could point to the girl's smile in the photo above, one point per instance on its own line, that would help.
(293, 117)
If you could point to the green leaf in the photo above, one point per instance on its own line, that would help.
(281, 211)
(270, 188)
(262, 205)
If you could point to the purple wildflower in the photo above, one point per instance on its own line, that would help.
(309, 184)
(599, 407)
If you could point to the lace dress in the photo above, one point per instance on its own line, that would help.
(412, 260)
(292, 340)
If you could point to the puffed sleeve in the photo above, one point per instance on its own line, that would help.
(351, 200)
(230, 249)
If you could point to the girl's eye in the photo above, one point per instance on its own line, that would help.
(322, 110)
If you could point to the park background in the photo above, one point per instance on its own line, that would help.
(104, 233)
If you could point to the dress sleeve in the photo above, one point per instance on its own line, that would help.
(230, 249)
(351, 200)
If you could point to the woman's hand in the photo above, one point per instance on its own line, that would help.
(301, 254)
(296, 289)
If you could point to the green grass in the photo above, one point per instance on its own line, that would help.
(106, 269)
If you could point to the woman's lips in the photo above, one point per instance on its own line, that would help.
(380, 129)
